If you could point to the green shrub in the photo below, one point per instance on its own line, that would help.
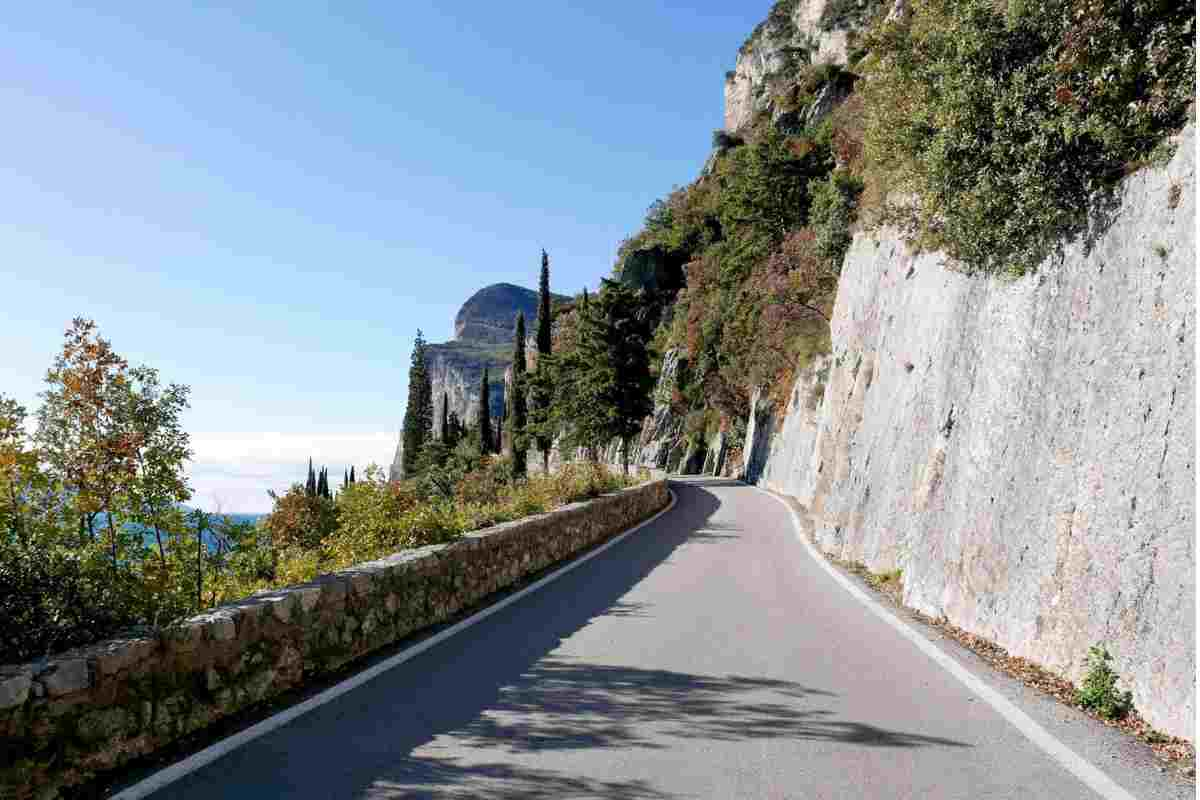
(995, 130)
(842, 14)
(1099, 691)
(52, 599)
(834, 202)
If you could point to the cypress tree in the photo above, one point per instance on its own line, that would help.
(446, 418)
(485, 415)
(418, 416)
(345, 479)
(517, 421)
(310, 485)
(351, 475)
(498, 428)
(541, 383)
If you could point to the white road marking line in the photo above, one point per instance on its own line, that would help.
(171, 774)
(1074, 763)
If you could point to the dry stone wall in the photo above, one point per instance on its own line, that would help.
(68, 718)
(1024, 450)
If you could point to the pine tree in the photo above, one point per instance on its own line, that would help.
(310, 485)
(541, 381)
(604, 380)
(485, 415)
(418, 416)
(517, 422)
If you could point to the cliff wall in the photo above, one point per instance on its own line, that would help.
(484, 328)
(1023, 450)
(794, 34)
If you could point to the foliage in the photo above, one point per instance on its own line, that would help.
(418, 415)
(843, 14)
(517, 422)
(299, 519)
(483, 424)
(52, 598)
(602, 373)
(540, 381)
(1099, 690)
(371, 519)
(993, 130)
(834, 201)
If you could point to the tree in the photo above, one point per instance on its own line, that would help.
(541, 381)
(604, 384)
(83, 428)
(418, 416)
(323, 483)
(520, 445)
(20, 479)
(310, 485)
(498, 428)
(445, 417)
(484, 423)
(352, 475)
(455, 430)
(161, 447)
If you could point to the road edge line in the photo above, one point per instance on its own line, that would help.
(1087, 772)
(180, 769)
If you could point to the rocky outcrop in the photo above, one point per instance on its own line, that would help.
(1023, 450)
(65, 719)
(489, 314)
(769, 64)
(484, 328)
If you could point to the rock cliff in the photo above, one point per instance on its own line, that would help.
(483, 336)
(1022, 450)
(794, 34)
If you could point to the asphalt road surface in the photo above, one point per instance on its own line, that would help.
(707, 655)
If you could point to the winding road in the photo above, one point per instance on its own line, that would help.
(707, 655)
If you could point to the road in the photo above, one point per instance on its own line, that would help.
(707, 655)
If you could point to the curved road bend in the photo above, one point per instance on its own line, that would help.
(707, 655)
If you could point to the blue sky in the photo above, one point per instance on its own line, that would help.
(265, 202)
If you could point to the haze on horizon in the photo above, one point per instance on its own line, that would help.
(266, 204)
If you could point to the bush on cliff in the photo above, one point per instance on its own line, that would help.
(993, 130)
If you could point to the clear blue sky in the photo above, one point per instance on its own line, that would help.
(265, 203)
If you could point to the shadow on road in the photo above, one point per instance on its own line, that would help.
(495, 687)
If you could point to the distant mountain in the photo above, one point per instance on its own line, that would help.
(483, 336)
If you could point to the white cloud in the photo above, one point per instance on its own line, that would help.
(233, 471)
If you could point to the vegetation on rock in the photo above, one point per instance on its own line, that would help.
(991, 131)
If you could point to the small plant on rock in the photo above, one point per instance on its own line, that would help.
(1099, 691)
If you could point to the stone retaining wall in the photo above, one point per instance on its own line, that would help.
(87, 711)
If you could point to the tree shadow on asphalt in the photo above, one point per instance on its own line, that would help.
(495, 688)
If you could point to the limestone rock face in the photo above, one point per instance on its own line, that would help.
(1022, 449)
(490, 314)
(484, 328)
(795, 34)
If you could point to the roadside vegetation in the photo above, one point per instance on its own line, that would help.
(986, 130)
(96, 535)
